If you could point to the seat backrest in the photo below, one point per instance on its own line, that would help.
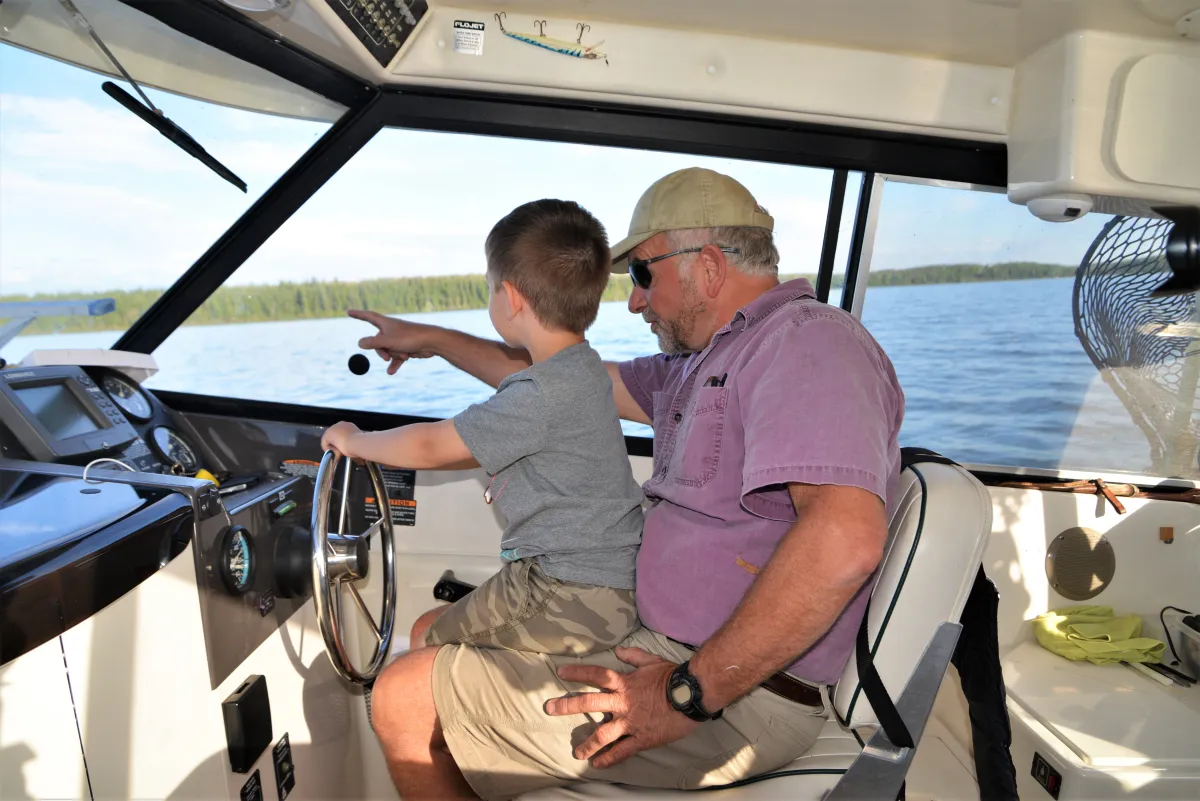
(936, 537)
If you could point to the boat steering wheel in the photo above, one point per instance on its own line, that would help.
(340, 559)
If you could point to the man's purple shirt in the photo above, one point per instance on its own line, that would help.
(792, 390)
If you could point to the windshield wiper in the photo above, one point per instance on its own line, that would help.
(152, 115)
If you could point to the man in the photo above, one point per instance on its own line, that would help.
(775, 420)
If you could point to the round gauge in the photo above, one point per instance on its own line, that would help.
(127, 395)
(172, 447)
(236, 560)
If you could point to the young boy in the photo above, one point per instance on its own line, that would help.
(551, 443)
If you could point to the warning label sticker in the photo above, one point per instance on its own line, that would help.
(468, 37)
(401, 489)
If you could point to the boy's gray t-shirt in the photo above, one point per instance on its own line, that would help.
(551, 439)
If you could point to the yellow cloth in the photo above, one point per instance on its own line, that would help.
(1094, 633)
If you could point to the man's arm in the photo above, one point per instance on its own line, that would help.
(834, 546)
(627, 407)
(818, 567)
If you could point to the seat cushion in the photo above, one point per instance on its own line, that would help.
(815, 773)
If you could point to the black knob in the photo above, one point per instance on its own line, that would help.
(359, 364)
(450, 589)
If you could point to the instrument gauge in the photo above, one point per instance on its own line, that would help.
(236, 560)
(174, 449)
(127, 395)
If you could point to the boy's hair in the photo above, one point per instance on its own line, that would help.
(555, 253)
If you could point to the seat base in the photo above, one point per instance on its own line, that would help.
(938, 772)
(818, 770)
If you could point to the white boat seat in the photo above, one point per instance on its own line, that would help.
(936, 537)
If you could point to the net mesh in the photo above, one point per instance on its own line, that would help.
(1145, 348)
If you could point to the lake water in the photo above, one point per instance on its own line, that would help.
(992, 372)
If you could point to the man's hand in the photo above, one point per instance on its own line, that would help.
(636, 702)
(397, 340)
(336, 437)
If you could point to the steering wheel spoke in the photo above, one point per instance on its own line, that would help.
(340, 559)
(375, 528)
(343, 518)
(362, 607)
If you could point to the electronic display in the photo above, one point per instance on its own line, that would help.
(56, 412)
(57, 409)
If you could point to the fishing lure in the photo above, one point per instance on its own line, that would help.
(574, 49)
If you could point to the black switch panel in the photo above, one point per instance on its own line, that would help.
(383, 26)
(247, 714)
(285, 770)
(1046, 776)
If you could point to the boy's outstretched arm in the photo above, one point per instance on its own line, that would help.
(491, 362)
(422, 446)
(398, 340)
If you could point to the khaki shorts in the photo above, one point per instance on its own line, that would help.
(522, 609)
(490, 707)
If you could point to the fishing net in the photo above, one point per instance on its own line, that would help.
(1145, 348)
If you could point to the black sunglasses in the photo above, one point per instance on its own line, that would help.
(639, 269)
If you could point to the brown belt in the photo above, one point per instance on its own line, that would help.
(791, 688)
(785, 686)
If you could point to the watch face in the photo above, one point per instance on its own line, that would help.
(681, 693)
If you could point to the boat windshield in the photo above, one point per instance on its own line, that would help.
(96, 204)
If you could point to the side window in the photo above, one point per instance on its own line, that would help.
(400, 230)
(1030, 343)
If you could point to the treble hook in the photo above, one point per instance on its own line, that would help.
(583, 27)
(500, 21)
(540, 24)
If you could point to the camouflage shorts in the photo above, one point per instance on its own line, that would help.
(522, 609)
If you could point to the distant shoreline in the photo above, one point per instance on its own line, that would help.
(324, 299)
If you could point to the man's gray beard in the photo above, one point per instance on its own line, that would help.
(673, 337)
(670, 340)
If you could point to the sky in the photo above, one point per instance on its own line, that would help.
(92, 198)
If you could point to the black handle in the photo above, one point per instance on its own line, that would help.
(450, 589)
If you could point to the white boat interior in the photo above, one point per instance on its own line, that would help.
(131, 628)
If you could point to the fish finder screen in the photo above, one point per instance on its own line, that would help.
(57, 410)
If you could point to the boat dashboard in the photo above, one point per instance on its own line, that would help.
(75, 414)
(78, 530)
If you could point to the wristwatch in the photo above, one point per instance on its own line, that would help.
(684, 695)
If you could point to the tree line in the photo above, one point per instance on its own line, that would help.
(321, 299)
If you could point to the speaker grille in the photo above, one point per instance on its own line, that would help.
(1080, 563)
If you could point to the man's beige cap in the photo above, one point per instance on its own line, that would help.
(690, 198)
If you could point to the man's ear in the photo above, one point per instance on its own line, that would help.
(715, 268)
(516, 301)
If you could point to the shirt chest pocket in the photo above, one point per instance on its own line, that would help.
(700, 438)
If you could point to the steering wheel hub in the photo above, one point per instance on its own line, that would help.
(349, 558)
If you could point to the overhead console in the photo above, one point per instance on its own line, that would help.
(1105, 122)
(382, 26)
